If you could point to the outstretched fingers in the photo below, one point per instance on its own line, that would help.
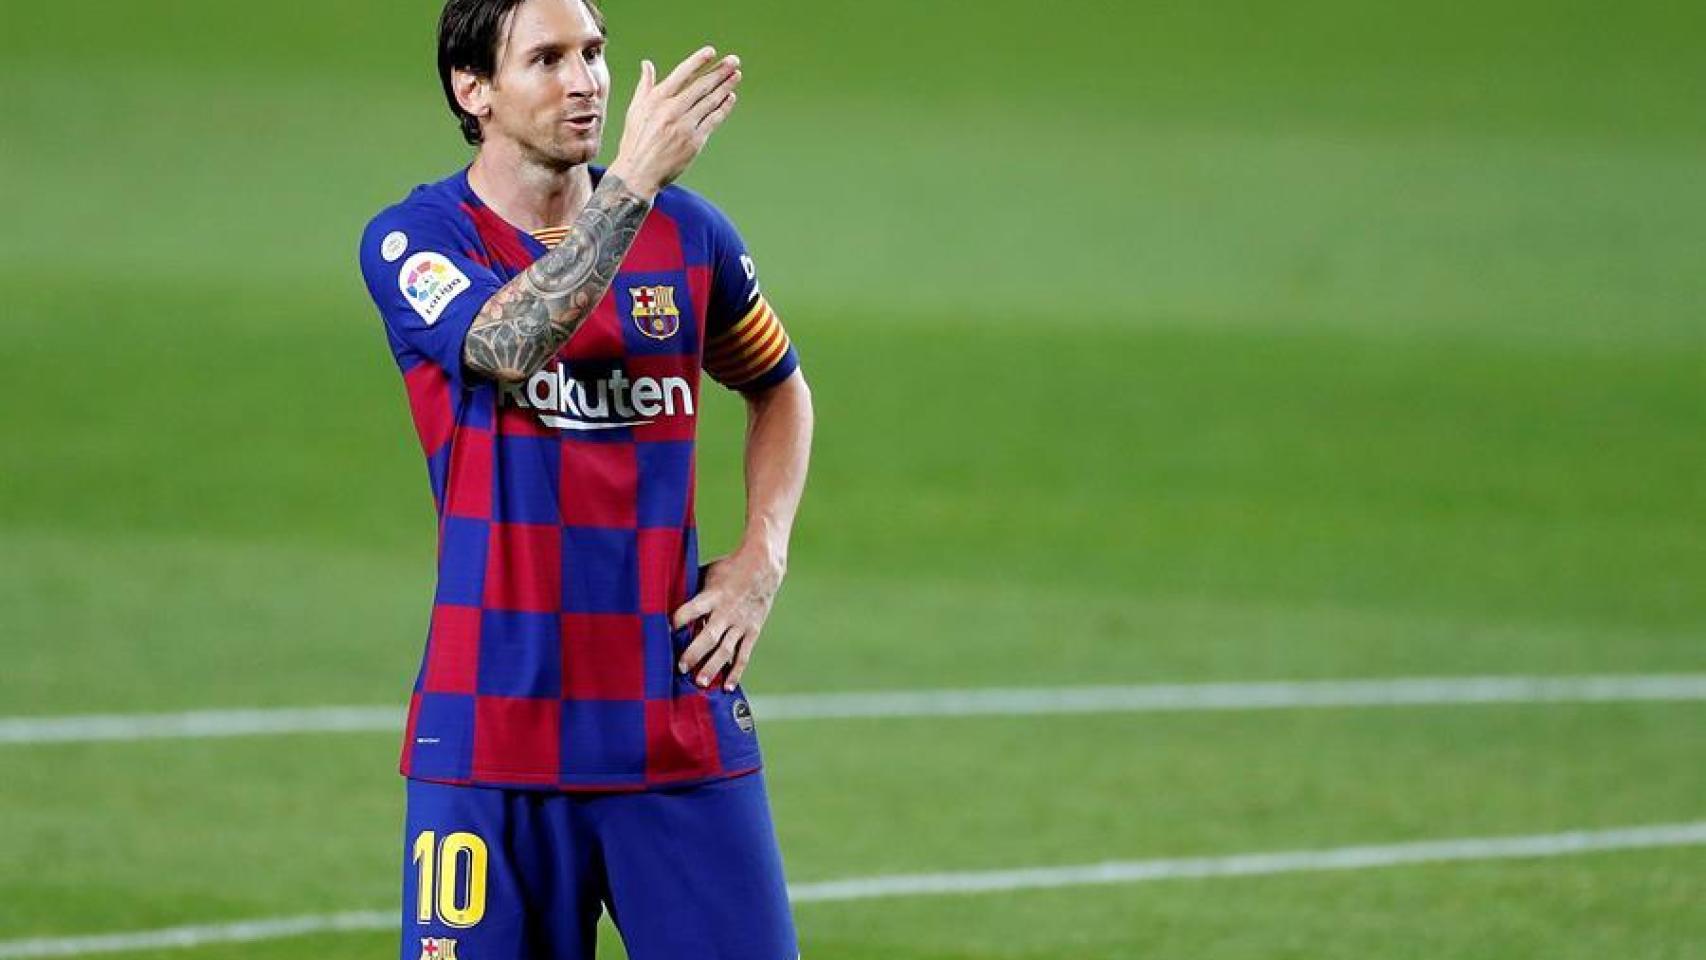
(717, 115)
(686, 71)
(707, 83)
(719, 97)
(670, 120)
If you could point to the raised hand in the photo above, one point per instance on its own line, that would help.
(670, 120)
(525, 323)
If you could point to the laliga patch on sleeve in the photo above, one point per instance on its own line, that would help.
(429, 282)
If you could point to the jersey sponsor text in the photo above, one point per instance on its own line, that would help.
(614, 400)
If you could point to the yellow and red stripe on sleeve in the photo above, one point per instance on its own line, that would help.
(749, 349)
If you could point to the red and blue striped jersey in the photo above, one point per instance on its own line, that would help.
(566, 532)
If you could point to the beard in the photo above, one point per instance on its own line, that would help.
(561, 161)
(563, 149)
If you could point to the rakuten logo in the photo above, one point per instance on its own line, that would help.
(613, 401)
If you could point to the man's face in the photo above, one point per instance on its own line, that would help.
(551, 86)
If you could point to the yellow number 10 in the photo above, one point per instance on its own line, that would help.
(459, 905)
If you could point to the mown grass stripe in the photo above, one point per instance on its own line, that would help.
(960, 883)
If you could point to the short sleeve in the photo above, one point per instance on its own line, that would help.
(428, 290)
(746, 346)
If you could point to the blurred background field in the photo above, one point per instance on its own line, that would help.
(1226, 341)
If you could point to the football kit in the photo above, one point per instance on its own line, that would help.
(687, 873)
(566, 538)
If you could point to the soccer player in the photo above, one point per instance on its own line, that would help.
(578, 738)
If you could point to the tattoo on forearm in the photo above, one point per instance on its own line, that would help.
(523, 325)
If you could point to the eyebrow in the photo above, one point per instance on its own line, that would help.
(551, 46)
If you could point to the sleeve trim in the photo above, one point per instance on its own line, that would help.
(782, 370)
(740, 329)
(750, 349)
(739, 353)
(761, 363)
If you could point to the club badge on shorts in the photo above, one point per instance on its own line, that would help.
(438, 948)
(655, 314)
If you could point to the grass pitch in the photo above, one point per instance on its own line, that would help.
(1230, 342)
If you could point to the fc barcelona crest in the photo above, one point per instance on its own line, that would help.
(438, 948)
(654, 311)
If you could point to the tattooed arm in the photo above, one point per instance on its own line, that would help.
(524, 324)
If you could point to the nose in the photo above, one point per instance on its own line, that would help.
(579, 79)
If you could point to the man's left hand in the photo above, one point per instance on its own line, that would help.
(733, 602)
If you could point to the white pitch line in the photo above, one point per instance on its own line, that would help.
(1255, 864)
(970, 882)
(198, 724)
(1018, 701)
(1153, 698)
(245, 931)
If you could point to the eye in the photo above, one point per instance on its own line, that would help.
(546, 58)
(594, 54)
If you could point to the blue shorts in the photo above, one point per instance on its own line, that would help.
(686, 873)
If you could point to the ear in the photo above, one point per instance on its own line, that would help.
(473, 92)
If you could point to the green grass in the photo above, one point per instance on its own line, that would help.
(1227, 341)
(320, 813)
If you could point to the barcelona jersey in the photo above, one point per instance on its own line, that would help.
(566, 533)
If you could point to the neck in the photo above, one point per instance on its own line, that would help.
(523, 191)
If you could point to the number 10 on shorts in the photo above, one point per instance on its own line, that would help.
(438, 868)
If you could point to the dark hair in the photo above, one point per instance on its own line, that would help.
(468, 36)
